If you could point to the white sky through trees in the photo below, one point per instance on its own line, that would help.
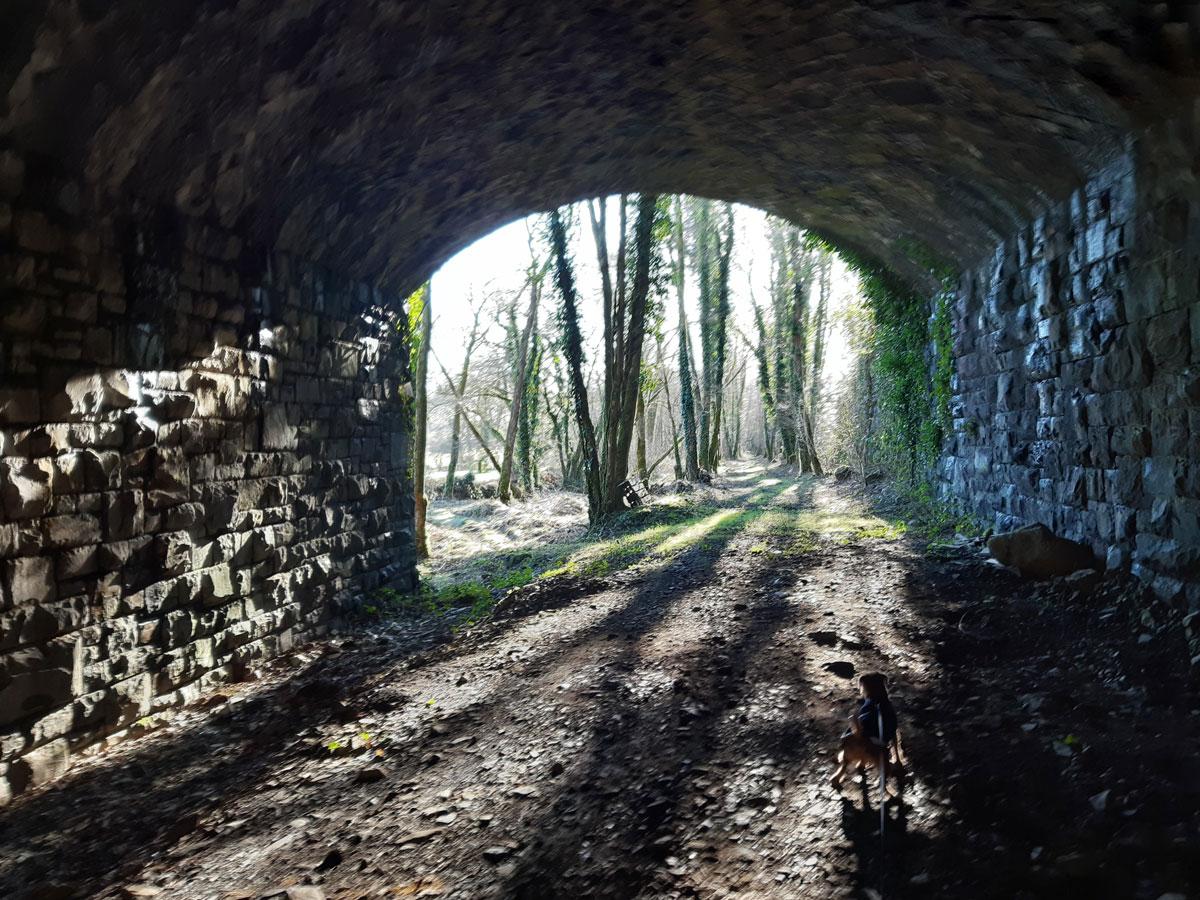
(496, 265)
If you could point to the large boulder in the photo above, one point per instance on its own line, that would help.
(1037, 552)
(843, 473)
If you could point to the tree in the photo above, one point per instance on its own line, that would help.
(687, 407)
(460, 408)
(573, 349)
(625, 329)
(456, 427)
(719, 330)
(520, 388)
(857, 401)
(420, 321)
(820, 333)
(528, 449)
(764, 380)
(790, 374)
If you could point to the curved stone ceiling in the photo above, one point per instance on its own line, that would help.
(380, 137)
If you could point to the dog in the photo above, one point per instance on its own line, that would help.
(862, 746)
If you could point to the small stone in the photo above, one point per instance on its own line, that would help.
(496, 854)
(1084, 582)
(134, 891)
(419, 836)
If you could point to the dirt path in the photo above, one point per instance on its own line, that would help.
(667, 733)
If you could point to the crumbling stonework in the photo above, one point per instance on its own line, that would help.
(1077, 387)
(203, 452)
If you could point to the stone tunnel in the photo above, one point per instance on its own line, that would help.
(211, 211)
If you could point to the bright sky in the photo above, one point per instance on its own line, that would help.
(497, 262)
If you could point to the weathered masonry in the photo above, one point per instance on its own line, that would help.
(208, 212)
(203, 452)
(1078, 370)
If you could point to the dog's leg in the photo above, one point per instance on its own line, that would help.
(840, 773)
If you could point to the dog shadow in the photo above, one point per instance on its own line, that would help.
(880, 857)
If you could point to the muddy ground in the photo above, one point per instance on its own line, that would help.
(666, 730)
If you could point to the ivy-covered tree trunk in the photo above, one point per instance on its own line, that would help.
(573, 350)
(629, 327)
(764, 381)
(800, 273)
(702, 236)
(527, 455)
(819, 335)
(719, 337)
(687, 406)
(421, 417)
(781, 298)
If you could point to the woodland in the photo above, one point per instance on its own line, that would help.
(672, 386)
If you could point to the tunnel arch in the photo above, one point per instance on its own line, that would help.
(383, 138)
(210, 211)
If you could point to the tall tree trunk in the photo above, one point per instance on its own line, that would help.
(764, 381)
(598, 214)
(781, 300)
(799, 406)
(733, 418)
(527, 458)
(675, 437)
(421, 416)
(703, 237)
(641, 436)
(818, 357)
(719, 336)
(565, 278)
(687, 408)
(629, 323)
(519, 389)
(456, 425)
(613, 297)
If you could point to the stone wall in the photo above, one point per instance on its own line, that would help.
(1077, 389)
(203, 452)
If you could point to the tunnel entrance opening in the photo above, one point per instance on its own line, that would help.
(759, 342)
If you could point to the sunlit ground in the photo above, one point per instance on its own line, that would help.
(488, 547)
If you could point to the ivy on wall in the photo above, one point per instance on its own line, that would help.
(912, 361)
